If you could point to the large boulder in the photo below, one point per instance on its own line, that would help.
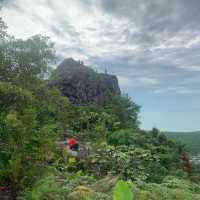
(81, 84)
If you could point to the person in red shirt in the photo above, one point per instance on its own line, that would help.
(73, 144)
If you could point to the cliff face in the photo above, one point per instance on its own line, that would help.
(81, 84)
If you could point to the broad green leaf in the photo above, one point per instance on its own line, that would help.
(122, 191)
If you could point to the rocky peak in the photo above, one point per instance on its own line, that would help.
(81, 84)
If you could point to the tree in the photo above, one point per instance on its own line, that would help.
(29, 125)
(16, 127)
(25, 61)
(31, 114)
(3, 28)
(13, 98)
(124, 110)
(162, 138)
(155, 132)
(122, 137)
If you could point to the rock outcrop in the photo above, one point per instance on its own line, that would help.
(81, 84)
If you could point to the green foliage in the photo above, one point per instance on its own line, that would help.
(32, 116)
(24, 61)
(46, 188)
(162, 139)
(90, 122)
(100, 196)
(22, 147)
(171, 188)
(135, 161)
(128, 162)
(123, 110)
(144, 195)
(3, 28)
(51, 106)
(122, 137)
(13, 98)
(122, 191)
(190, 139)
(155, 132)
(156, 172)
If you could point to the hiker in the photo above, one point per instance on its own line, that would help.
(72, 144)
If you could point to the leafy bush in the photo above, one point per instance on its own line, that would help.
(128, 162)
(122, 137)
(46, 188)
(171, 188)
(123, 110)
(100, 196)
(27, 133)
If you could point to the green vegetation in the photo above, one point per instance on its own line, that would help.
(122, 191)
(122, 162)
(190, 139)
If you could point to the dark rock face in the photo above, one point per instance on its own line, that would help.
(81, 84)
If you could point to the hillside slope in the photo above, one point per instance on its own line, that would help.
(190, 139)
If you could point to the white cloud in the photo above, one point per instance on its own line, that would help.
(124, 81)
(182, 90)
(137, 81)
(191, 68)
(145, 81)
(84, 30)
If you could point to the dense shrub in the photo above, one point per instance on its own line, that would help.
(124, 111)
(28, 130)
(171, 188)
(45, 188)
(127, 137)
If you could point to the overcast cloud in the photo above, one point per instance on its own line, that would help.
(152, 46)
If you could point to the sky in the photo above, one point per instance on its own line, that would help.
(152, 46)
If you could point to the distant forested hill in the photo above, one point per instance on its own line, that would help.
(191, 139)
